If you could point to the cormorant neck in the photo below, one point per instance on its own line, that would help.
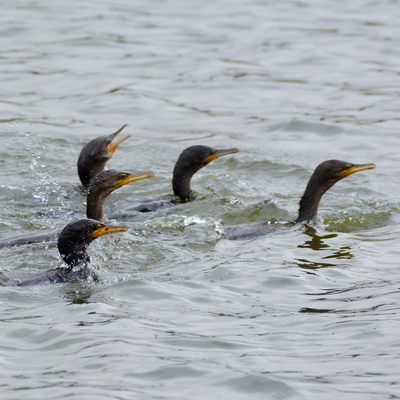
(308, 206)
(181, 187)
(74, 254)
(182, 175)
(94, 203)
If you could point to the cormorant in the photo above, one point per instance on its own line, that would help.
(72, 244)
(324, 177)
(189, 162)
(100, 187)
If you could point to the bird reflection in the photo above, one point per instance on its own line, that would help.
(343, 252)
(316, 242)
(306, 264)
(321, 243)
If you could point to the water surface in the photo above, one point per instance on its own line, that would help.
(180, 312)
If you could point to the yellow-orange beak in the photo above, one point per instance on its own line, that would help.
(133, 178)
(356, 168)
(106, 230)
(220, 153)
(113, 145)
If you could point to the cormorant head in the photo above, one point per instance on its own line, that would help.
(331, 171)
(195, 157)
(110, 180)
(189, 162)
(94, 156)
(76, 237)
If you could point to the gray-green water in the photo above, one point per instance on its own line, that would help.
(180, 313)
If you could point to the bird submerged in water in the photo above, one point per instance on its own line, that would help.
(72, 244)
(94, 156)
(102, 185)
(189, 162)
(324, 177)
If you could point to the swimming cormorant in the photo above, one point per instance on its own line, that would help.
(324, 177)
(72, 244)
(189, 162)
(100, 187)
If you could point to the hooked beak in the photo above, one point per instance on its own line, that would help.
(106, 230)
(356, 168)
(113, 145)
(133, 178)
(220, 153)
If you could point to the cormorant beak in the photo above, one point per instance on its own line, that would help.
(356, 168)
(220, 153)
(106, 230)
(113, 145)
(133, 178)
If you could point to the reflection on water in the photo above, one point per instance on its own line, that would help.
(315, 310)
(306, 264)
(343, 252)
(316, 242)
(323, 243)
(319, 243)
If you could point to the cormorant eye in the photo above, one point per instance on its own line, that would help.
(346, 167)
(122, 176)
(212, 152)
